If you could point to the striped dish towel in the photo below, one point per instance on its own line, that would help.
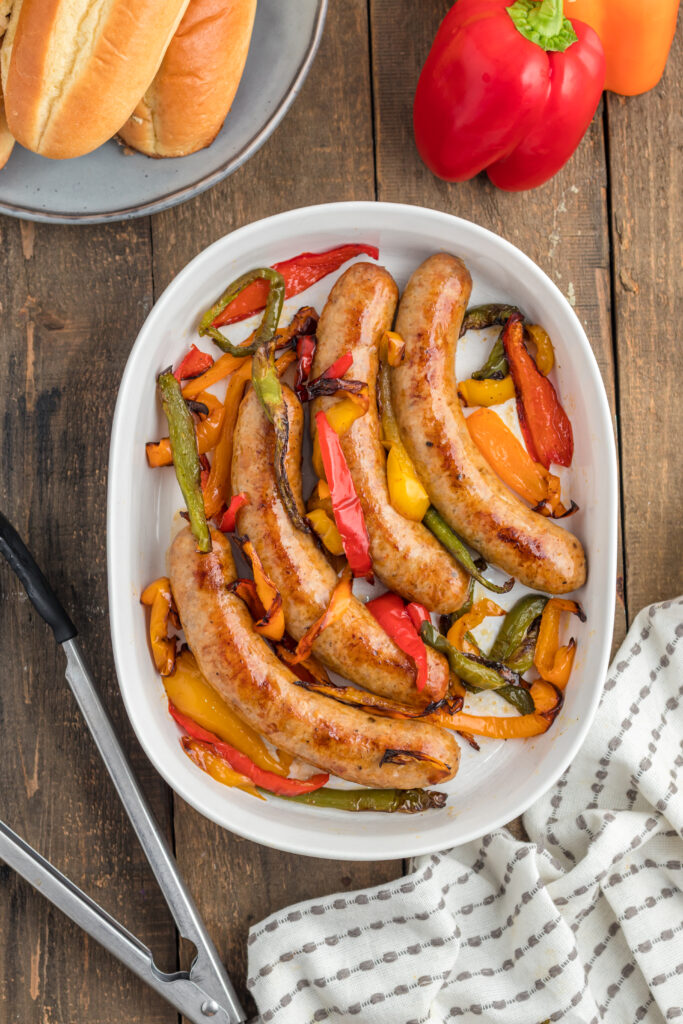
(582, 924)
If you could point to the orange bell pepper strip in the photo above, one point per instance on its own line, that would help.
(479, 611)
(635, 36)
(272, 624)
(221, 369)
(191, 694)
(202, 754)
(158, 597)
(217, 489)
(208, 432)
(513, 464)
(339, 602)
(554, 663)
(547, 703)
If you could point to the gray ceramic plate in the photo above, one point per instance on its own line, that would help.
(109, 185)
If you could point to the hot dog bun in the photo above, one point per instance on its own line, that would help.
(186, 104)
(6, 137)
(73, 70)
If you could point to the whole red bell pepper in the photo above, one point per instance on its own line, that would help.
(509, 89)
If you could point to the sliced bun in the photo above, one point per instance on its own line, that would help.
(6, 137)
(73, 70)
(186, 104)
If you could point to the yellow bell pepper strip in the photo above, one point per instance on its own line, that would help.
(272, 625)
(239, 762)
(406, 493)
(189, 692)
(339, 602)
(326, 529)
(554, 663)
(383, 801)
(340, 416)
(545, 353)
(158, 597)
(547, 701)
(480, 610)
(635, 36)
(320, 498)
(217, 489)
(486, 392)
(392, 348)
(348, 514)
(203, 756)
(513, 464)
(227, 524)
(185, 456)
(207, 432)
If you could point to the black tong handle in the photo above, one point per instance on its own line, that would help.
(41, 594)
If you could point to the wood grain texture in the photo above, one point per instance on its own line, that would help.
(323, 152)
(646, 139)
(72, 300)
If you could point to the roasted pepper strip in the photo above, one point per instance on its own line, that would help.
(348, 514)
(193, 364)
(241, 763)
(189, 692)
(370, 702)
(203, 755)
(545, 353)
(546, 704)
(221, 369)
(185, 456)
(450, 540)
(545, 425)
(305, 352)
(275, 284)
(390, 612)
(481, 610)
(326, 528)
(406, 492)
(227, 524)
(298, 273)
(478, 318)
(339, 602)
(554, 663)
(340, 416)
(158, 597)
(479, 673)
(385, 801)
(272, 625)
(207, 432)
(217, 489)
(516, 624)
(513, 464)
(486, 392)
(496, 365)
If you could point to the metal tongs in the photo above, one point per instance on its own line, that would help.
(204, 993)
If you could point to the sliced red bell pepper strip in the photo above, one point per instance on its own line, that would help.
(299, 273)
(396, 621)
(227, 524)
(338, 367)
(417, 613)
(243, 764)
(305, 351)
(193, 364)
(545, 425)
(348, 513)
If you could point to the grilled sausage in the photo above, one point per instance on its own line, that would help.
(460, 484)
(405, 555)
(241, 667)
(355, 646)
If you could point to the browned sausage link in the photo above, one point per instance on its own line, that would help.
(242, 668)
(356, 646)
(405, 555)
(467, 493)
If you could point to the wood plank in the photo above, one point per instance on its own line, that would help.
(646, 187)
(322, 152)
(72, 299)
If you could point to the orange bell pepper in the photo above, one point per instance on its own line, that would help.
(208, 432)
(272, 625)
(554, 663)
(479, 611)
(339, 602)
(217, 489)
(513, 464)
(547, 703)
(636, 37)
(158, 596)
(202, 754)
(222, 368)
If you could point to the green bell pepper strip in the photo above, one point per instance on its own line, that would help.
(183, 441)
(496, 366)
(271, 314)
(478, 673)
(522, 658)
(386, 801)
(516, 625)
(450, 540)
(479, 317)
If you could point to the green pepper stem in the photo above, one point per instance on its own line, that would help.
(543, 23)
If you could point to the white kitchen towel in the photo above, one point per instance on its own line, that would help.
(582, 924)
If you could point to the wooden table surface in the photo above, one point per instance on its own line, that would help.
(606, 230)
